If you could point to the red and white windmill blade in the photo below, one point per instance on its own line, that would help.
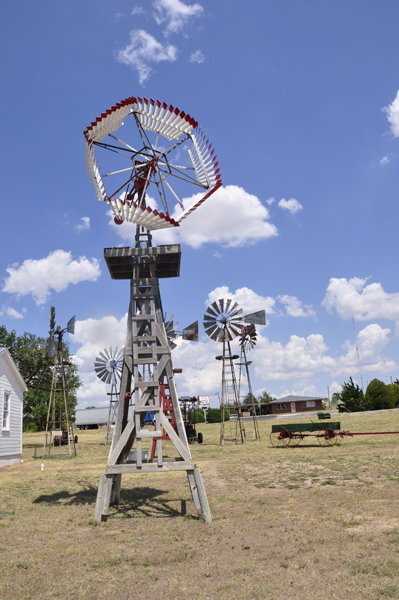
(150, 164)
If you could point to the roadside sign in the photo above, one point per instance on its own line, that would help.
(203, 401)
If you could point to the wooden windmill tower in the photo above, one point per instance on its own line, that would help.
(59, 439)
(223, 321)
(132, 171)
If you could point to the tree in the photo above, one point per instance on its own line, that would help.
(352, 398)
(249, 398)
(336, 398)
(30, 355)
(379, 396)
(265, 397)
(394, 387)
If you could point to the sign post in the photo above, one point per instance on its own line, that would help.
(204, 403)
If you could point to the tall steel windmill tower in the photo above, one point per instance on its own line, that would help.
(160, 151)
(223, 322)
(108, 367)
(59, 427)
(247, 343)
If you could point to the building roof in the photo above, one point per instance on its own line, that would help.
(4, 352)
(288, 399)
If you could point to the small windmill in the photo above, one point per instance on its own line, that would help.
(223, 322)
(247, 343)
(59, 427)
(108, 367)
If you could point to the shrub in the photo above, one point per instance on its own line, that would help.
(213, 415)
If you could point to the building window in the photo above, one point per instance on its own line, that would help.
(280, 406)
(6, 411)
(309, 404)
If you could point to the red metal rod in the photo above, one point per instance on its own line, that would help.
(367, 433)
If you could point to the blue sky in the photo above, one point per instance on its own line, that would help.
(299, 98)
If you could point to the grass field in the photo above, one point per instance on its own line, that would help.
(304, 522)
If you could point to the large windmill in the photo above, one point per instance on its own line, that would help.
(224, 321)
(141, 155)
(59, 427)
(108, 367)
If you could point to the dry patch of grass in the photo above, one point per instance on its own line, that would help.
(302, 522)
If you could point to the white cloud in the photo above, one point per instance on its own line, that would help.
(197, 57)
(93, 335)
(299, 359)
(370, 342)
(393, 115)
(385, 160)
(12, 313)
(143, 50)
(202, 374)
(250, 301)
(231, 218)
(299, 362)
(270, 201)
(303, 358)
(138, 10)
(295, 308)
(353, 298)
(84, 226)
(292, 205)
(175, 13)
(55, 272)
(247, 299)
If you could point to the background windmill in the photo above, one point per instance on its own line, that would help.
(247, 343)
(223, 321)
(59, 427)
(108, 366)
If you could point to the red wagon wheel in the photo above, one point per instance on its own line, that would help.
(327, 438)
(280, 439)
(295, 441)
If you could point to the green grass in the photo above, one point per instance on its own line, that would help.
(281, 519)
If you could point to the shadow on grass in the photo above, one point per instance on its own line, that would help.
(137, 502)
(148, 502)
(87, 494)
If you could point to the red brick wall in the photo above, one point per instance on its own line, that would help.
(299, 408)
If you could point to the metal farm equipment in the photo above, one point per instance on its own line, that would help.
(293, 433)
(327, 434)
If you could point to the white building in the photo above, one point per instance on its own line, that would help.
(12, 388)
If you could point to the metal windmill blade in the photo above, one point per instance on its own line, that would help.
(108, 365)
(248, 337)
(256, 318)
(171, 332)
(190, 333)
(71, 326)
(50, 341)
(50, 345)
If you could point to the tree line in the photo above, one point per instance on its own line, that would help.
(31, 357)
(378, 396)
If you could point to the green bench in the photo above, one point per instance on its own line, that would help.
(323, 416)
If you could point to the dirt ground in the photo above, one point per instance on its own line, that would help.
(304, 522)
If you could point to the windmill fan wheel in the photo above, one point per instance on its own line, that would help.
(222, 320)
(248, 336)
(108, 365)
